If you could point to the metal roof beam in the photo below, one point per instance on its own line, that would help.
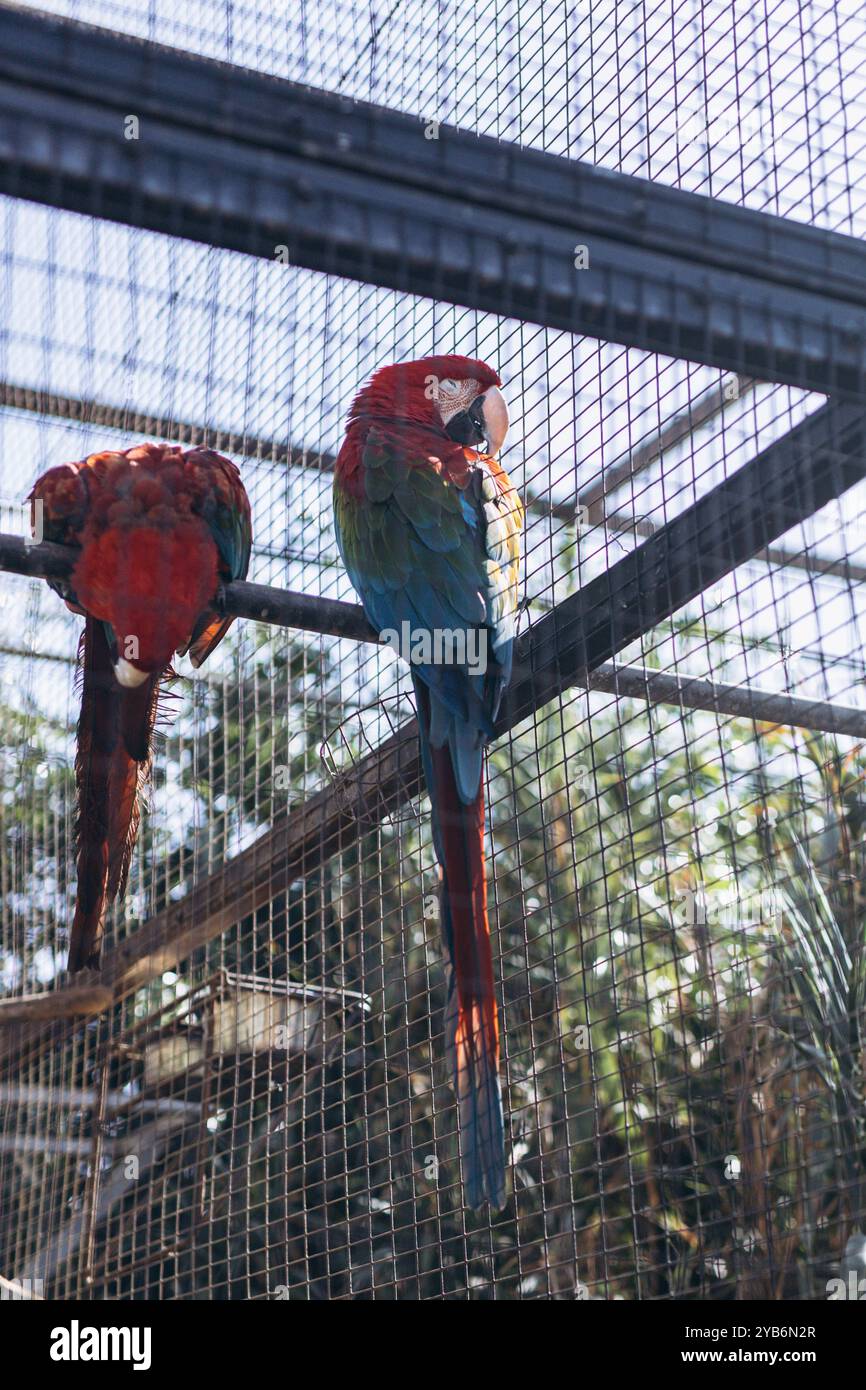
(246, 161)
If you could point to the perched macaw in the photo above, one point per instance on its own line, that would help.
(428, 526)
(159, 530)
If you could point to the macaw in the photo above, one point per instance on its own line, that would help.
(428, 526)
(159, 530)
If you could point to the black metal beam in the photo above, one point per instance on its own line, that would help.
(242, 160)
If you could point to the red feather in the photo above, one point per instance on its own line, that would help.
(401, 395)
(472, 1023)
(157, 528)
(111, 765)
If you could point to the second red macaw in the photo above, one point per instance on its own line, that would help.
(429, 525)
(159, 529)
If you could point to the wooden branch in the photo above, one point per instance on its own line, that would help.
(297, 843)
(75, 1001)
(43, 561)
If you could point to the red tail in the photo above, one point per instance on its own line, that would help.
(112, 761)
(472, 1022)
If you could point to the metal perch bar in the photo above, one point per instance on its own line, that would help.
(786, 482)
(281, 607)
(719, 697)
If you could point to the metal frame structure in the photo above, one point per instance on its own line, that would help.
(252, 163)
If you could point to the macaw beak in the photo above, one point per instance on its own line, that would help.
(485, 423)
(128, 675)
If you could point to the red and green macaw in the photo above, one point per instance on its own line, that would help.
(159, 530)
(429, 525)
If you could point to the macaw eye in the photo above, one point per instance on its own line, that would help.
(448, 385)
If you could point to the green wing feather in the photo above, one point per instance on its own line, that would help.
(226, 509)
(433, 546)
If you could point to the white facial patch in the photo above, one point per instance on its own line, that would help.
(454, 396)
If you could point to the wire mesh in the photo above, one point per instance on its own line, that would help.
(676, 883)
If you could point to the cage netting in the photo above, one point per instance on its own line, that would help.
(675, 843)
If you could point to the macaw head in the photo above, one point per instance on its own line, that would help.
(458, 395)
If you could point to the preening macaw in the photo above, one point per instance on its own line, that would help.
(159, 530)
(428, 525)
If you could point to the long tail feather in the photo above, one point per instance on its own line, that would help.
(130, 771)
(112, 760)
(472, 1026)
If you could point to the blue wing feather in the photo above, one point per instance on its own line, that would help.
(423, 551)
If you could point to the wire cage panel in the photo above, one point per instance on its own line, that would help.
(675, 819)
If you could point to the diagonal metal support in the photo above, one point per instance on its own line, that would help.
(777, 490)
(245, 161)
